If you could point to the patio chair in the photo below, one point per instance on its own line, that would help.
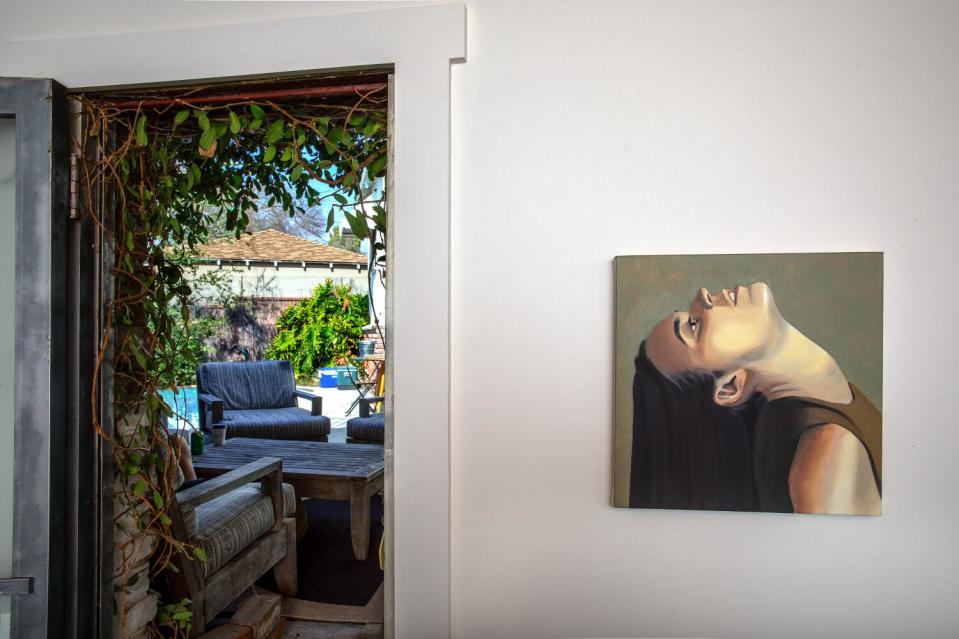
(368, 427)
(258, 399)
(244, 528)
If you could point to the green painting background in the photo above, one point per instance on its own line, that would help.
(833, 298)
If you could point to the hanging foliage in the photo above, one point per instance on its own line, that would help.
(156, 180)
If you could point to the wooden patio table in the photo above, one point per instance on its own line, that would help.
(320, 470)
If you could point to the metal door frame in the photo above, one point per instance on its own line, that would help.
(42, 174)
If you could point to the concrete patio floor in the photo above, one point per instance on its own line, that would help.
(335, 404)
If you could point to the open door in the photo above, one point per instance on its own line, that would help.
(33, 460)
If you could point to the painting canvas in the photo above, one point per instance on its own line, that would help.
(749, 382)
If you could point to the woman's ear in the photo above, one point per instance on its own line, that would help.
(730, 388)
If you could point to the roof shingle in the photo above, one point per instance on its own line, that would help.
(271, 245)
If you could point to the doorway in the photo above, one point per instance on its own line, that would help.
(422, 42)
(213, 205)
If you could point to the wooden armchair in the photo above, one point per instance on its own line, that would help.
(243, 528)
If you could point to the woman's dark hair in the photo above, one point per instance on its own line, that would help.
(688, 452)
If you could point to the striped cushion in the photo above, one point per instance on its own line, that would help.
(275, 423)
(371, 428)
(246, 385)
(224, 527)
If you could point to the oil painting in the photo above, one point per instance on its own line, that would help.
(749, 382)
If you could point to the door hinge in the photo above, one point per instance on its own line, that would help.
(16, 586)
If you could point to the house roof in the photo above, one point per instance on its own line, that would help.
(270, 245)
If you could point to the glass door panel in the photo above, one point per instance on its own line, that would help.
(8, 204)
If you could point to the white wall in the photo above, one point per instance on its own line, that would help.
(285, 281)
(730, 127)
(736, 127)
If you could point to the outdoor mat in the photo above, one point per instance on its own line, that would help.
(327, 570)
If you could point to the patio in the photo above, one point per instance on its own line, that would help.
(338, 530)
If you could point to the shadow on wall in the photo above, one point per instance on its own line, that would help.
(247, 327)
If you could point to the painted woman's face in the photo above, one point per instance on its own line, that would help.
(720, 331)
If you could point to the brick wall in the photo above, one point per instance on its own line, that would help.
(251, 325)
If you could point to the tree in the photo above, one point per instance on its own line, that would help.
(339, 240)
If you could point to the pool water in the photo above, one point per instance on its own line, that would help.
(186, 411)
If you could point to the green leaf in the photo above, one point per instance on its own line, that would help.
(287, 154)
(379, 216)
(377, 166)
(296, 172)
(339, 197)
(257, 112)
(203, 120)
(181, 117)
(139, 487)
(200, 553)
(141, 131)
(234, 123)
(165, 519)
(206, 140)
(329, 219)
(348, 180)
(269, 154)
(157, 499)
(275, 131)
(358, 225)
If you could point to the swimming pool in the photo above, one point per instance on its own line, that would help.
(186, 411)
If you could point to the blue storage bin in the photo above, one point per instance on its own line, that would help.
(328, 378)
(344, 377)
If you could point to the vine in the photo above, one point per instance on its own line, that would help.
(156, 180)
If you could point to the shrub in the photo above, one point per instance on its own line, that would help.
(323, 330)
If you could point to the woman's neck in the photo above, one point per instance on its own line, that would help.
(799, 367)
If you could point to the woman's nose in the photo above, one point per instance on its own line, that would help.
(704, 298)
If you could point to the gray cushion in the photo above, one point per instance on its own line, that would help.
(371, 428)
(275, 423)
(246, 385)
(227, 525)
